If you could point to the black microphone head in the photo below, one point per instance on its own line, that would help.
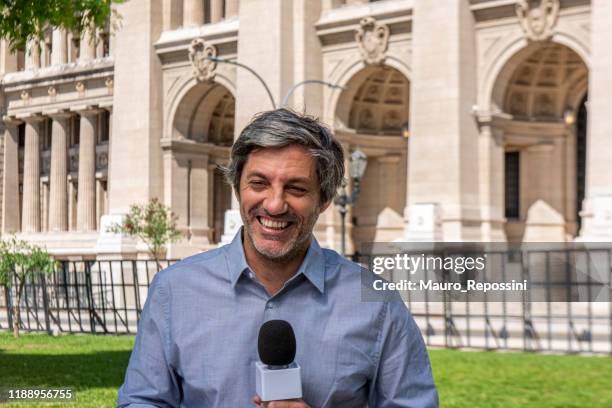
(276, 343)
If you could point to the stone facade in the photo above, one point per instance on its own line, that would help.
(474, 116)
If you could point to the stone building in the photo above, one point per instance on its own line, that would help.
(482, 120)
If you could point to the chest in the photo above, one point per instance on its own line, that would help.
(215, 351)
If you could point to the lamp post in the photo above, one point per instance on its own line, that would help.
(289, 93)
(357, 167)
(251, 70)
(306, 82)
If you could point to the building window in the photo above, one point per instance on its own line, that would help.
(75, 44)
(20, 59)
(21, 132)
(103, 126)
(512, 186)
(45, 140)
(48, 48)
(75, 130)
(581, 150)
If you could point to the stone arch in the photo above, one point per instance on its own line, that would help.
(541, 82)
(372, 114)
(349, 71)
(540, 90)
(197, 139)
(187, 87)
(511, 50)
(194, 119)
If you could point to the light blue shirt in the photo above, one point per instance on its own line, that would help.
(197, 337)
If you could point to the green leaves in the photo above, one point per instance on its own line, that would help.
(23, 20)
(21, 260)
(153, 223)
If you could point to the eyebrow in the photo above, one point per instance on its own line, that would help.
(256, 173)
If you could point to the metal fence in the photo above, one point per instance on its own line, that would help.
(567, 309)
(108, 296)
(83, 297)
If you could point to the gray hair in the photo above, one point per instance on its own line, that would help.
(283, 127)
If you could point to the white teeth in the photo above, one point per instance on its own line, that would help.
(272, 224)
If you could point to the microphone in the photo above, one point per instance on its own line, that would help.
(277, 375)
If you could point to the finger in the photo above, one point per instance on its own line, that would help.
(257, 401)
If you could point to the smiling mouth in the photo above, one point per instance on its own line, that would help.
(275, 225)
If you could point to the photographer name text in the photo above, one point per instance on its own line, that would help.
(469, 286)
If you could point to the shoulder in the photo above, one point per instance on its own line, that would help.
(359, 280)
(335, 261)
(192, 267)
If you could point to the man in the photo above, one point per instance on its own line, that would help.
(197, 337)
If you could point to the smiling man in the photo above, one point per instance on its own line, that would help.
(197, 337)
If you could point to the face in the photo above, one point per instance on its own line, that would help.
(279, 202)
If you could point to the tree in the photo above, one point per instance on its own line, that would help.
(153, 223)
(20, 261)
(24, 20)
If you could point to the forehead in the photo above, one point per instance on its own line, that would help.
(287, 162)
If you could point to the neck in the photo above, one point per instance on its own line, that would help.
(272, 273)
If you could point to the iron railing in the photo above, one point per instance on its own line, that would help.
(83, 297)
(107, 297)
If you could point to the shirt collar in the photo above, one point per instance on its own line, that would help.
(312, 267)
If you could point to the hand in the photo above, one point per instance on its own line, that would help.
(293, 403)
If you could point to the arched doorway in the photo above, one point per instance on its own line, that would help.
(201, 135)
(372, 115)
(541, 91)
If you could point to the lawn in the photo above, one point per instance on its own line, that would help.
(94, 366)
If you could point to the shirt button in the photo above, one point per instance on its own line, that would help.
(269, 305)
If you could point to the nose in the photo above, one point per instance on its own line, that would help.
(275, 203)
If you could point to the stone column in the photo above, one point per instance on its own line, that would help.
(544, 218)
(193, 13)
(60, 47)
(199, 201)
(86, 205)
(231, 8)
(443, 88)
(99, 52)
(30, 221)
(110, 147)
(172, 12)
(112, 35)
(597, 207)
(10, 175)
(331, 4)
(8, 62)
(216, 11)
(58, 183)
(491, 180)
(87, 46)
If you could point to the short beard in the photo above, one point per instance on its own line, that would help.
(291, 251)
(288, 253)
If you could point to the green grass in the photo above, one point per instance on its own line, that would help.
(95, 365)
(498, 379)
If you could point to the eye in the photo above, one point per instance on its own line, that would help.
(257, 184)
(297, 190)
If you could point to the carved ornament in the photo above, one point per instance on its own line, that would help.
(373, 40)
(203, 68)
(538, 18)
